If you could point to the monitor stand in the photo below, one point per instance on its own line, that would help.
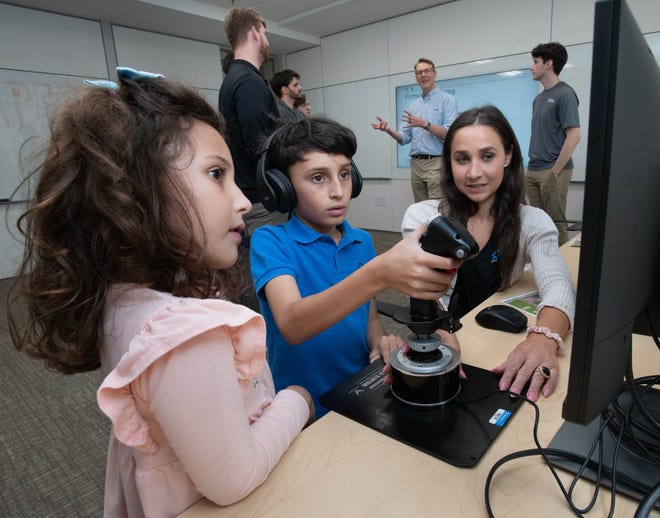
(636, 476)
(458, 432)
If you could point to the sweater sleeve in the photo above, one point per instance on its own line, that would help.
(199, 402)
(418, 214)
(550, 270)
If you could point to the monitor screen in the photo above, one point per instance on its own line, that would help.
(620, 245)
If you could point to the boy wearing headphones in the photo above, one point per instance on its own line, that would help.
(316, 277)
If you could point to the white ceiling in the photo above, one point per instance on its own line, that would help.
(291, 24)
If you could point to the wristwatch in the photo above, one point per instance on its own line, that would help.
(427, 126)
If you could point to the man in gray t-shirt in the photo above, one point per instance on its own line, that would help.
(555, 134)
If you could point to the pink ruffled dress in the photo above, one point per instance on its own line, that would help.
(192, 403)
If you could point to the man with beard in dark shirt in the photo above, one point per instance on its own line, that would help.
(248, 106)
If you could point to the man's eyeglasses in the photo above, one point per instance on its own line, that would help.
(422, 71)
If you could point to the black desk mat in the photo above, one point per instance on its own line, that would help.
(458, 432)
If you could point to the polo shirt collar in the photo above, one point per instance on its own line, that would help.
(305, 235)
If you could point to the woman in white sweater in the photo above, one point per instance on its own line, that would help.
(483, 188)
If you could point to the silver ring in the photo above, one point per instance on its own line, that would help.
(544, 371)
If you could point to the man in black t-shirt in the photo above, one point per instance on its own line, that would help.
(248, 106)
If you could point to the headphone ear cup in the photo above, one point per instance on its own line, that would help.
(265, 191)
(356, 179)
(283, 194)
(274, 188)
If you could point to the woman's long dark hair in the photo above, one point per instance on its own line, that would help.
(109, 208)
(509, 196)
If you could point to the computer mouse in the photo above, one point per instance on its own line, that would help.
(502, 318)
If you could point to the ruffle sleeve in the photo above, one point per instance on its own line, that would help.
(170, 326)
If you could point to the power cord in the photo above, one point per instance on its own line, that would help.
(649, 502)
(543, 452)
(637, 431)
(620, 423)
(614, 421)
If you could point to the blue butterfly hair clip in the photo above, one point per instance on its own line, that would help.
(102, 83)
(139, 76)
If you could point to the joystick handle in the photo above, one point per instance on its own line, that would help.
(447, 237)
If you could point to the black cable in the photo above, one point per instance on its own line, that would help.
(584, 461)
(618, 421)
(584, 466)
(632, 390)
(630, 379)
(543, 453)
(638, 446)
(646, 506)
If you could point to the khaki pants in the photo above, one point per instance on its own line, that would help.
(425, 175)
(548, 192)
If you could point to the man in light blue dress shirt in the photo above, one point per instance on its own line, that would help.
(425, 127)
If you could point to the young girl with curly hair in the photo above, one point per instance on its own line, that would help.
(132, 241)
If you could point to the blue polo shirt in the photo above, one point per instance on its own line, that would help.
(316, 263)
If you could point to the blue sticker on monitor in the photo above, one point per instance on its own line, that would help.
(500, 417)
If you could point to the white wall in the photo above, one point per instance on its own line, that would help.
(194, 62)
(51, 44)
(353, 64)
(350, 76)
(43, 53)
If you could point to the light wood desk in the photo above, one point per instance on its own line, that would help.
(339, 468)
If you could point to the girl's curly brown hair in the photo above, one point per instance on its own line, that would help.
(107, 209)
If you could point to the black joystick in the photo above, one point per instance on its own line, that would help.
(427, 374)
(446, 237)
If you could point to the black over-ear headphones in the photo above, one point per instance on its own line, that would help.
(275, 189)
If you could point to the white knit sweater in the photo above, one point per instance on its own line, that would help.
(538, 245)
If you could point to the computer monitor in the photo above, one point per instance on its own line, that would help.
(620, 243)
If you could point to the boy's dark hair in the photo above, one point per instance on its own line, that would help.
(238, 23)
(554, 51)
(281, 79)
(296, 138)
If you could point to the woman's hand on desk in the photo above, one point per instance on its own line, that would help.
(535, 358)
(524, 364)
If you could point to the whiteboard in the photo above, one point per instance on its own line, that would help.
(26, 100)
(512, 92)
(356, 105)
(194, 63)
